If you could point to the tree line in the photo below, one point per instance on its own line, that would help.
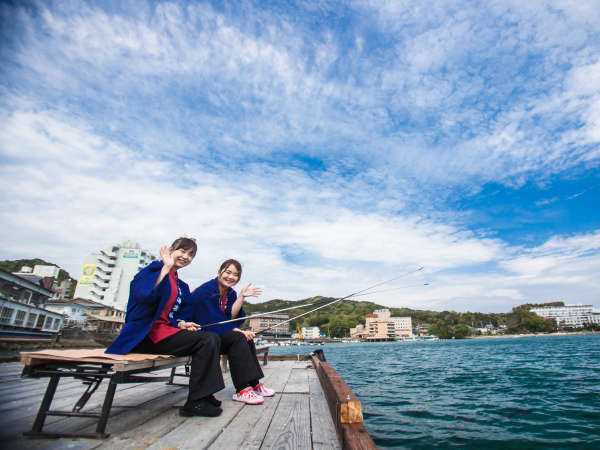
(337, 319)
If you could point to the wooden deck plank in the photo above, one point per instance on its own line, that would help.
(20, 420)
(322, 426)
(146, 416)
(199, 432)
(252, 422)
(298, 382)
(148, 432)
(290, 427)
(20, 397)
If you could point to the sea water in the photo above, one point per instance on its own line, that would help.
(529, 392)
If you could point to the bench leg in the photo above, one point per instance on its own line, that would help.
(45, 406)
(172, 375)
(108, 400)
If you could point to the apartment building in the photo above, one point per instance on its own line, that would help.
(379, 328)
(279, 329)
(22, 314)
(573, 316)
(311, 332)
(380, 325)
(106, 275)
(402, 326)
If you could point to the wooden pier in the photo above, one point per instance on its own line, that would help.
(313, 408)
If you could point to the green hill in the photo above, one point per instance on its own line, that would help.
(337, 319)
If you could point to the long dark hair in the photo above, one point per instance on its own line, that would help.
(235, 263)
(184, 243)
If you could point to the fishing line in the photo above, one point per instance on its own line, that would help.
(392, 289)
(338, 300)
(256, 315)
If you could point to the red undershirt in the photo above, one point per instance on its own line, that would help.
(162, 328)
(224, 301)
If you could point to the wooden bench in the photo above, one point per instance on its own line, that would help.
(91, 367)
(260, 350)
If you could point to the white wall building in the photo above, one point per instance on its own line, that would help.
(402, 326)
(311, 332)
(106, 275)
(575, 316)
(22, 315)
(383, 313)
(76, 314)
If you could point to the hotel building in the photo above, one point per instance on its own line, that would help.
(382, 326)
(22, 311)
(106, 275)
(573, 316)
(311, 332)
(279, 329)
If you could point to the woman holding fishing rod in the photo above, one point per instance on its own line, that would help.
(216, 301)
(155, 295)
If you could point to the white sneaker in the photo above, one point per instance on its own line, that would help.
(263, 391)
(248, 396)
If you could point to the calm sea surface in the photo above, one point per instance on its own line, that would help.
(541, 392)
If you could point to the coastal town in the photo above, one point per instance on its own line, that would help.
(36, 307)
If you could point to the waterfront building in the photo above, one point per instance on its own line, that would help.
(380, 325)
(402, 326)
(311, 332)
(48, 275)
(279, 329)
(88, 314)
(421, 329)
(106, 275)
(359, 332)
(571, 316)
(384, 314)
(22, 315)
(379, 328)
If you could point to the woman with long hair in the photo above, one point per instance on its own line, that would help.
(155, 296)
(217, 301)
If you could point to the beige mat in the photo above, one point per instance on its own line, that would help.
(88, 355)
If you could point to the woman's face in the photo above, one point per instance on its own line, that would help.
(182, 258)
(228, 277)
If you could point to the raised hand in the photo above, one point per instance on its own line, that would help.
(250, 291)
(167, 256)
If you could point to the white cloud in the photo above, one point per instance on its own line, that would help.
(87, 191)
(160, 120)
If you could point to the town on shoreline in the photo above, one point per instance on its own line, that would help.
(40, 304)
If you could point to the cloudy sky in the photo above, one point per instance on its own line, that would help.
(326, 145)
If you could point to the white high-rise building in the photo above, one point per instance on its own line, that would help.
(575, 316)
(106, 275)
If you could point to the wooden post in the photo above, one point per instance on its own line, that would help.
(345, 408)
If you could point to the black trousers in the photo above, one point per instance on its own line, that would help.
(205, 377)
(243, 363)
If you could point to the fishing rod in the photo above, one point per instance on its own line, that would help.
(337, 300)
(392, 289)
(252, 316)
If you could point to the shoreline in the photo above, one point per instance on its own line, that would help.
(513, 336)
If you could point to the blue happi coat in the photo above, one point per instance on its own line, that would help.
(145, 304)
(204, 307)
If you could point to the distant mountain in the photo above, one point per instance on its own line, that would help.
(337, 319)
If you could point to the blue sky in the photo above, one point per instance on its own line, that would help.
(327, 145)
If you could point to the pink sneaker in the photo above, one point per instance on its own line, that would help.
(263, 391)
(248, 396)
